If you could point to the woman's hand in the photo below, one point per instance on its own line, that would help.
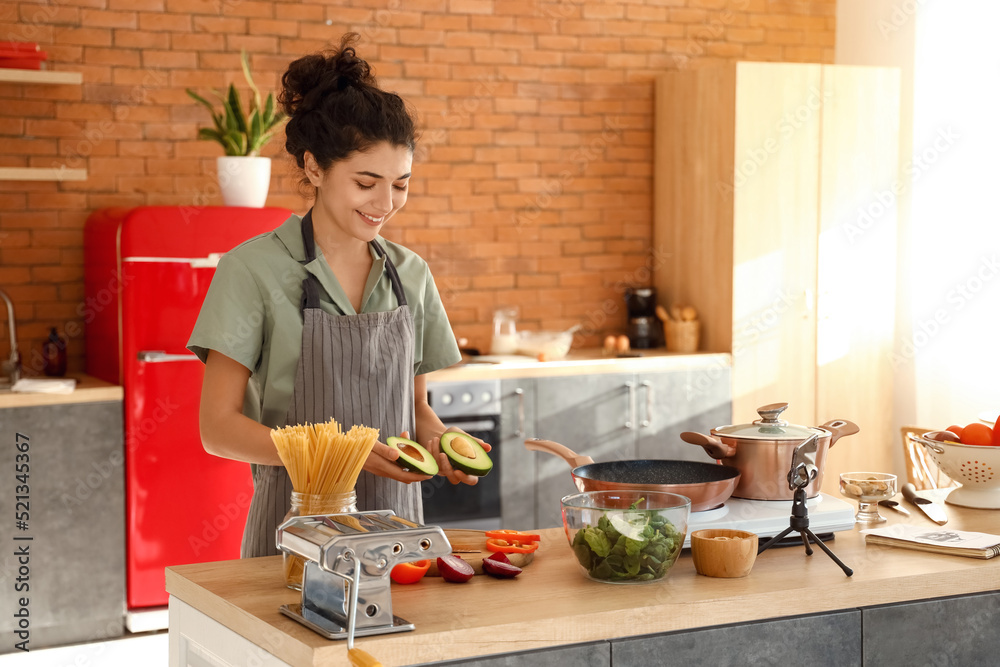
(382, 462)
(444, 463)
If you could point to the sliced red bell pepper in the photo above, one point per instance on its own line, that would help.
(411, 572)
(510, 546)
(514, 535)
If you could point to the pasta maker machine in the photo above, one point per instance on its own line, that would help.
(347, 559)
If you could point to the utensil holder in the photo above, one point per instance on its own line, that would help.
(682, 336)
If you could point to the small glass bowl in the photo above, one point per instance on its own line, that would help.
(602, 527)
(868, 488)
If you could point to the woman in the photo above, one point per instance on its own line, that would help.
(322, 318)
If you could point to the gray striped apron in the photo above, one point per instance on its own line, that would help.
(357, 369)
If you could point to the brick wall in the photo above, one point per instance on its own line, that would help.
(532, 184)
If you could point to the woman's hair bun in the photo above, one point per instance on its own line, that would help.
(336, 108)
(310, 78)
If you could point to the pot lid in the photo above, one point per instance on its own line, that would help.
(770, 427)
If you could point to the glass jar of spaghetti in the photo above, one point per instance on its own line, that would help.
(307, 504)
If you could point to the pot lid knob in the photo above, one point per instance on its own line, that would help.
(769, 414)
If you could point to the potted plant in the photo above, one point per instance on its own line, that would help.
(244, 176)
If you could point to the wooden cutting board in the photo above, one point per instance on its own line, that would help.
(472, 544)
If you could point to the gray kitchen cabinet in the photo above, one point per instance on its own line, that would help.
(594, 654)
(671, 402)
(517, 464)
(607, 416)
(591, 415)
(820, 640)
(944, 631)
(75, 567)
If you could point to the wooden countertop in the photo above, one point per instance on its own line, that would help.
(551, 603)
(578, 362)
(88, 390)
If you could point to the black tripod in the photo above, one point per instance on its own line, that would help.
(802, 472)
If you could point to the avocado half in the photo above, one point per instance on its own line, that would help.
(412, 456)
(466, 454)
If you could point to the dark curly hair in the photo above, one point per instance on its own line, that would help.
(335, 107)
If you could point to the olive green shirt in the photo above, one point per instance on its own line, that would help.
(252, 312)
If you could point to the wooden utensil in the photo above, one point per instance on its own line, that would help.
(470, 546)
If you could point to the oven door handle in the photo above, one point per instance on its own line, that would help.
(478, 425)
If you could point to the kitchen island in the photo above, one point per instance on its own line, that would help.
(900, 607)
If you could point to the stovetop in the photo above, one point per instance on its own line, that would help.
(769, 517)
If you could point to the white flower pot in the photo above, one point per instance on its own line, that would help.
(244, 180)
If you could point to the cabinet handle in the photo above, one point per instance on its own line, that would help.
(648, 386)
(520, 412)
(630, 417)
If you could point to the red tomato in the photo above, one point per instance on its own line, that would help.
(956, 429)
(410, 573)
(977, 434)
(996, 433)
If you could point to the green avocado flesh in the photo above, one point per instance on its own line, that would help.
(466, 454)
(413, 457)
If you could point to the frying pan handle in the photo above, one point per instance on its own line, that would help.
(839, 428)
(713, 446)
(562, 451)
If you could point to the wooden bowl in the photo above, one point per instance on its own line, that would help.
(723, 553)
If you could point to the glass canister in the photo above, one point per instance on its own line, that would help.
(504, 331)
(306, 504)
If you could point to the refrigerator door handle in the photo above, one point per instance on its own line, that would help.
(158, 356)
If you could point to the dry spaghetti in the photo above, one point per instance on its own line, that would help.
(323, 463)
(322, 459)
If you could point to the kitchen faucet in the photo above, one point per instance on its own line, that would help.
(13, 365)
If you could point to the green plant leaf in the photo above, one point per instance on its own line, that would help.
(208, 133)
(245, 62)
(240, 130)
(236, 108)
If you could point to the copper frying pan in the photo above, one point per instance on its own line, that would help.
(708, 485)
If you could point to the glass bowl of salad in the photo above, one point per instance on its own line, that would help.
(626, 537)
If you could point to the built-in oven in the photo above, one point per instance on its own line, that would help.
(473, 407)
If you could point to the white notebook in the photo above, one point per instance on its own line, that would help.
(939, 539)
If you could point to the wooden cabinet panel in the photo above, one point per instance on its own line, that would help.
(765, 175)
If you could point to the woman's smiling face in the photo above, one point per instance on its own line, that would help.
(360, 193)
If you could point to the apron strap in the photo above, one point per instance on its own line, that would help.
(397, 284)
(311, 286)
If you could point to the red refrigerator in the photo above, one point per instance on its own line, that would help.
(146, 273)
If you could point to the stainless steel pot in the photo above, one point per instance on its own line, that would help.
(762, 451)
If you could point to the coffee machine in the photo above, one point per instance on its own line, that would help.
(645, 330)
